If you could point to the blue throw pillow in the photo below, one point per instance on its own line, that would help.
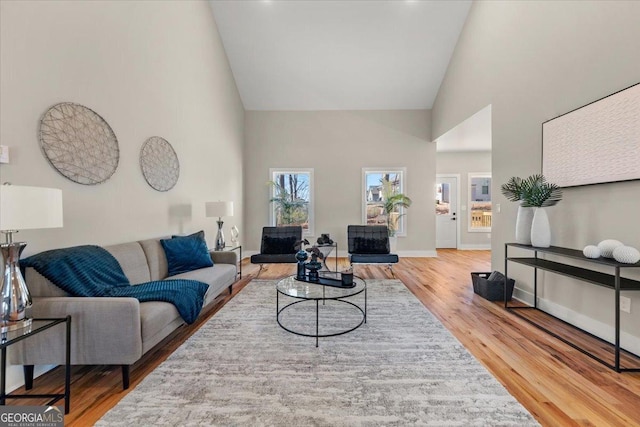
(186, 253)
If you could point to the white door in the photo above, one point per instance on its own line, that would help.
(446, 212)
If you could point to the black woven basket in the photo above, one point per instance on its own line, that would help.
(492, 290)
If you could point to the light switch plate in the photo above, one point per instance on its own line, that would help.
(625, 304)
(4, 154)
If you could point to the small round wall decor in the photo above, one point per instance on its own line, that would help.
(79, 143)
(159, 164)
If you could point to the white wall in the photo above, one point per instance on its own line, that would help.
(463, 163)
(149, 68)
(338, 144)
(533, 61)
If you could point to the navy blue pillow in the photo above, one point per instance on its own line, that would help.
(186, 253)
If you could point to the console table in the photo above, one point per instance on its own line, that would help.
(610, 281)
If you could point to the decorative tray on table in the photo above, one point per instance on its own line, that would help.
(326, 281)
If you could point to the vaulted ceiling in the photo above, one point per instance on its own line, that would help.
(339, 55)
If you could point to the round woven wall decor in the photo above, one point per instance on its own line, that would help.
(79, 143)
(159, 164)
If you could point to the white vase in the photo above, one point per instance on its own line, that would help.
(393, 244)
(540, 229)
(523, 225)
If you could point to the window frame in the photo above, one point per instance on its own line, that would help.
(470, 177)
(402, 172)
(273, 172)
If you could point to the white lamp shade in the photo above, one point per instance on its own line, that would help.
(23, 208)
(219, 209)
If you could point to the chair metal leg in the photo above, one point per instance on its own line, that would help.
(259, 271)
(391, 270)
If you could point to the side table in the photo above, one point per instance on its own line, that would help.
(37, 326)
(326, 249)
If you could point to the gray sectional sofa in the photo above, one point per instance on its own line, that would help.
(114, 331)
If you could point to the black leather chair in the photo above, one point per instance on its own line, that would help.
(369, 244)
(278, 246)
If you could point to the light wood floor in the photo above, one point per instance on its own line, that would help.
(557, 384)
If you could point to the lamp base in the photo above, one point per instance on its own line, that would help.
(220, 237)
(14, 326)
(14, 296)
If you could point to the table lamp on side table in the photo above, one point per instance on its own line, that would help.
(219, 209)
(22, 208)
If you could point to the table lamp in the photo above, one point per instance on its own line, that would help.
(22, 208)
(219, 209)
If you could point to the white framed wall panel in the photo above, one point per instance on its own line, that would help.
(596, 143)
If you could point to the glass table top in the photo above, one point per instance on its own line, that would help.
(304, 290)
(32, 326)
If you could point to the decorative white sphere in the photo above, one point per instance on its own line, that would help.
(626, 254)
(607, 246)
(591, 251)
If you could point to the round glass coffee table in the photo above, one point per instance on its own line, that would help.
(333, 301)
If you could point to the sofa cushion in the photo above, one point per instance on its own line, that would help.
(156, 258)
(40, 286)
(186, 253)
(130, 256)
(218, 278)
(155, 316)
(133, 261)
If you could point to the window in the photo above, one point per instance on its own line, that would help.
(292, 198)
(377, 186)
(443, 198)
(480, 202)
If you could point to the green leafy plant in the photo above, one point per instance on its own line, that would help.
(533, 191)
(392, 201)
(517, 189)
(543, 194)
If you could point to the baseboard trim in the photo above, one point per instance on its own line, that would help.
(595, 327)
(15, 377)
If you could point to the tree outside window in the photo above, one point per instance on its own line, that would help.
(378, 186)
(291, 198)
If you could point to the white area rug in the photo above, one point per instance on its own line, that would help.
(241, 369)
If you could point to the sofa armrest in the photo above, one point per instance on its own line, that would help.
(104, 331)
(224, 257)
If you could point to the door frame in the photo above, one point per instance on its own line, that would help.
(457, 177)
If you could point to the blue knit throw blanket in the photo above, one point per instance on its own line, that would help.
(91, 271)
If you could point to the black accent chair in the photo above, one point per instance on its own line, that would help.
(369, 244)
(278, 246)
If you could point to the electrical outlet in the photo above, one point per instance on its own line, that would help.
(498, 208)
(625, 304)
